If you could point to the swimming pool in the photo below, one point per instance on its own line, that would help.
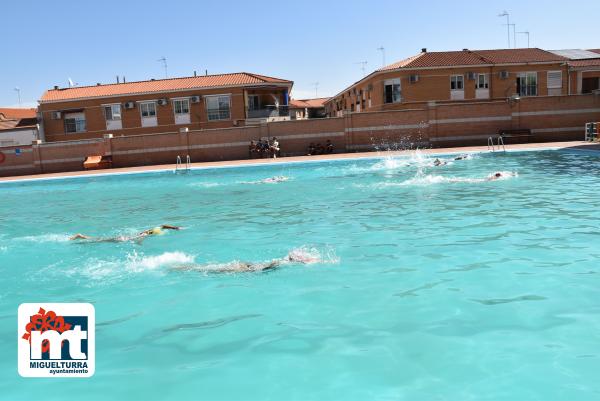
(431, 282)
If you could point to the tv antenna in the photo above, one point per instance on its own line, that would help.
(525, 33)
(363, 66)
(316, 85)
(505, 14)
(382, 50)
(163, 59)
(18, 90)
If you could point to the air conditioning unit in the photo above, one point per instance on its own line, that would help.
(504, 74)
(56, 115)
(413, 78)
(163, 102)
(471, 76)
(195, 99)
(129, 105)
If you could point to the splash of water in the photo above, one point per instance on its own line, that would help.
(43, 238)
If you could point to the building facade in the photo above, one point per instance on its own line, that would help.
(301, 109)
(162, 105)
(468, 75)
(18, 126)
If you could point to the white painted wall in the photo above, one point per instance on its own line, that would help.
(17, 137)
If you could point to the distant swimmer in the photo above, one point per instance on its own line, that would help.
(276, 179)
(462, 157)
(294, 257)
(123, 238)
(438, 162)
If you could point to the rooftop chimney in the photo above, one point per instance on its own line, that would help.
(465, 50)
(424, 50)
(123, 78)
(98, 83)
(206, 72)
(195, 73)
(117, 79)
(55, 87)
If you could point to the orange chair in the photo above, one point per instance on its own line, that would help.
(97, 162)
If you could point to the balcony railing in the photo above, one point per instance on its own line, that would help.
(269, 111)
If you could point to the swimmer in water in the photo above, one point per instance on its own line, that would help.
(438, 162)
(277, 178)
(138, 237)
(495, 176)
(462, 157)
(244, 267)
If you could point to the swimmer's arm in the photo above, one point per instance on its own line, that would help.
(272, 265)
(79, 236)
(168, 227)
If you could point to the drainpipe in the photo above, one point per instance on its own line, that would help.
(568, 79)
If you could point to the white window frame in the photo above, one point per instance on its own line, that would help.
(147, 103)
(181, 100)
(150, 120)
(396, 95)
(181, 110)
(454, 80)
(486, 81)
(527, 75)
(219, 111)
(113, 116)
(80, 122)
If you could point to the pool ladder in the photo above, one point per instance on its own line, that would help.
(500, 142)
(179, 165)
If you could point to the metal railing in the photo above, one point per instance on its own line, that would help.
(500, 142)
(269, 111)
(179, 164)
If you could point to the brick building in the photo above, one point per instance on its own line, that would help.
(18, 126)
(470, 75)
(301, 109)
(162, 105)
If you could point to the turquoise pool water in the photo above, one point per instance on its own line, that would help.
(431, 282)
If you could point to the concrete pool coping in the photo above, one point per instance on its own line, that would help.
(571, 145)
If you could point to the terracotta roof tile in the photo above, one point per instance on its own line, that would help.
(309, 103)
(159, 85)
(474, 57)
(17, 113)
(594, 62)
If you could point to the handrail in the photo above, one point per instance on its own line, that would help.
(188, 162)
(490, 143)
(178, 163)
(501, 141)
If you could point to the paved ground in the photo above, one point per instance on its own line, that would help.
(572, 145)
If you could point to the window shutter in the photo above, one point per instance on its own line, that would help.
(554, 79)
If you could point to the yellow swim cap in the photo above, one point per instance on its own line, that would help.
(156, 231)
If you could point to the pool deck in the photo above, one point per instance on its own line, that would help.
(576, 145)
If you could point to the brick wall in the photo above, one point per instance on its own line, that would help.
(550, 118)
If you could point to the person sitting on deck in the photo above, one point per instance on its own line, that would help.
(274, 148)
(251, 149)
(311, 149)
(320, 149)
(329, 147)
(138, 237)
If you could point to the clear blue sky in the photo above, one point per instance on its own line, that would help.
(46, 42)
